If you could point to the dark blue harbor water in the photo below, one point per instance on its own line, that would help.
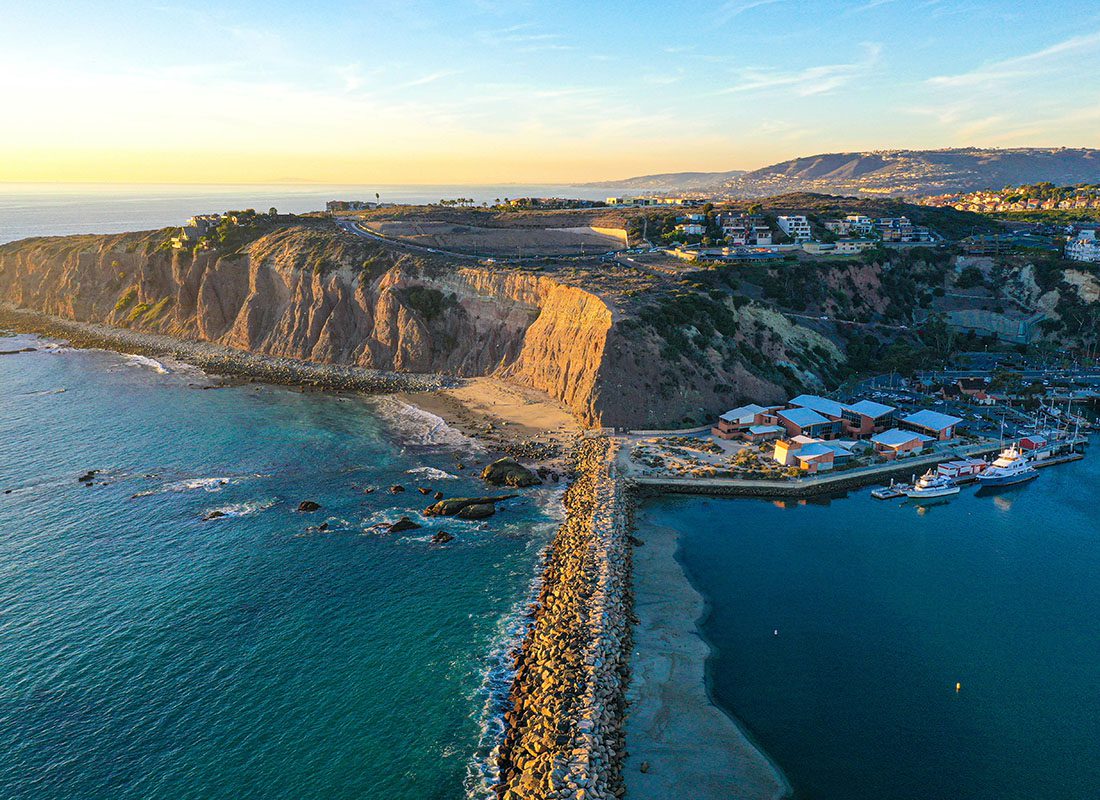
(145, 653)
(881, 608)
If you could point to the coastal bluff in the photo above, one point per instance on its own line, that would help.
(308, 291)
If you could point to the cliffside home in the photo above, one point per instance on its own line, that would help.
(1085, 247)
(796, 226)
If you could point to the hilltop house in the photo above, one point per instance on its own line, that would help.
(796, 226)
(1085, 247)
(745, 230)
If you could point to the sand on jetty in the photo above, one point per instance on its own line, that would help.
(692, 747)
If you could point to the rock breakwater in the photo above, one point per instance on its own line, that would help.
(564, 727)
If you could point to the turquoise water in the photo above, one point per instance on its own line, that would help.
(145, 653)
(881, 609)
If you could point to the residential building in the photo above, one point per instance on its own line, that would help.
(933, 423)
(691, 228)
(896, 443)
(740, 229)
(857, 223)
(853, 246)
(1085, 247)
(795, 226)
(975, 389)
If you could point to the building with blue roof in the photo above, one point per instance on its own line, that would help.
(932, 423)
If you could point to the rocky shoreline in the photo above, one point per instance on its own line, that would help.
(564, 726)
(217, 359)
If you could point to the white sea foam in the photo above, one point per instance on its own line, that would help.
(420, 427)
(190, 485)
(43, 393)
(145, 361)
(242, 509)
(432, 473)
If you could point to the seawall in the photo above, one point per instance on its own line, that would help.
(564, 728)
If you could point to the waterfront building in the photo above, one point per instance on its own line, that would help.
(858, 420)
(933, 423)
(807, 422)
(737, 421)
(896, 443)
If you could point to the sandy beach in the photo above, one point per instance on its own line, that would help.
(503, 416)
(691, 747)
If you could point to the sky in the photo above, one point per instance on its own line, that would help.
(494, 91)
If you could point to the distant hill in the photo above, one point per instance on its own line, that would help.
(894, 173)
(674, 181)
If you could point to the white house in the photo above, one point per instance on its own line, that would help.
(796, 226)
(1086, 247)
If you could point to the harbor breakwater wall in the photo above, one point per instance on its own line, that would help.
(564, 728)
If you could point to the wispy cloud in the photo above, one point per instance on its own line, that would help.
(807, 82)
(431, 77)
(735, 8)
(1020, 66)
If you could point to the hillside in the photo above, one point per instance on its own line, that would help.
(908, 173)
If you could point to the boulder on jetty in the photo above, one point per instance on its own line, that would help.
(509, 472)
(452, 506)
(403, 524)
(307, 506)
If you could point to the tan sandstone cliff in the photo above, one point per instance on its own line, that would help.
(312, 292)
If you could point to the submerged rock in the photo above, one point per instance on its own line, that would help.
(397, 488)
(442, 537)
(308, 505)
(88, 476)
(209, 515)
(438, 495)
(509, 472)
(403, 524)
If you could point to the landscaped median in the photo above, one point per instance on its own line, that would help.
(564, 729)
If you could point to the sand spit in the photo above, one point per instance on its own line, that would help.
(685, 742)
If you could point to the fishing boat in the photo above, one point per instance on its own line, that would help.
(1011, 467)
(930, 485)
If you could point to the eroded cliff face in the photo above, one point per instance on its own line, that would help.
(311, 292)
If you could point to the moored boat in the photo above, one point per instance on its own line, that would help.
(930, 485)
(1011, 467)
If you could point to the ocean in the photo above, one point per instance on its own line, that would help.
(147, 653)
(841, 628)
(61, 209)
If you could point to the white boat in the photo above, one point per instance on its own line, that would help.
(1011, 467)
(931, 484)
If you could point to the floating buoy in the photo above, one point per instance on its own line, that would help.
(777, 631)
(958, 688)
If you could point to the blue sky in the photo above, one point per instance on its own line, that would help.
(489, 91)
